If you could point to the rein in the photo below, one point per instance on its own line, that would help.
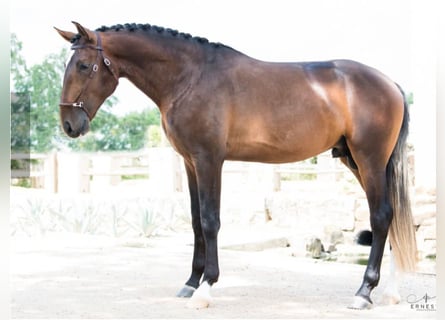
(99, 56)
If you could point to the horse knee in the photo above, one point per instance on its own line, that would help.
(210, 227)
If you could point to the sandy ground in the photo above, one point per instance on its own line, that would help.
(90, 277)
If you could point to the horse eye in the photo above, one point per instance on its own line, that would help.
(84, 66)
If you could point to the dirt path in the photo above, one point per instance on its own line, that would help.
(101, 278)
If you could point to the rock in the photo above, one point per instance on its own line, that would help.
(315, 248)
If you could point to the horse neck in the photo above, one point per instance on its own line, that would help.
(161, 68)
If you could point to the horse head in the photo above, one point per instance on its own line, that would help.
(89, 79)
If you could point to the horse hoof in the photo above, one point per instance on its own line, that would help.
(186, 292)
(360, 303)
(201, 298)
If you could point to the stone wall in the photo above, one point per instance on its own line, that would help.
(313, 211)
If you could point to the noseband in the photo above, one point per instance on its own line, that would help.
(100, 56)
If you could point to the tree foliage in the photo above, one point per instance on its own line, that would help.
(110, 133)
(20, 123)
(37, 92)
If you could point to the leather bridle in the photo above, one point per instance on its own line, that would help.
(100, 56)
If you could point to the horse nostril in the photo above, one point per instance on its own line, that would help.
(67, 127)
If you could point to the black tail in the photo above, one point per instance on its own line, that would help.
(364, 238)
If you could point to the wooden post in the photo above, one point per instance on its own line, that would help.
(50, 172)
(165, 170)
(102, 166)
(261, 178)
(325, 164)
(177, 169)
(276, 177)
(72, 170)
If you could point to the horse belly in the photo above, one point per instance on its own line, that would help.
(263, 142)
(260, 152)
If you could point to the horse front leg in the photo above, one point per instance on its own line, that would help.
(208, 174)
(199, 246)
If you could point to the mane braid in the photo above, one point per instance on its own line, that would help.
(132, 27)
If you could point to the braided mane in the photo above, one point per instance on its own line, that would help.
(133, 27)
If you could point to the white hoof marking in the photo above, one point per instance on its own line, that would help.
(201, 297)
(360, 303)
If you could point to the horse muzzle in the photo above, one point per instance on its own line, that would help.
(76, 129)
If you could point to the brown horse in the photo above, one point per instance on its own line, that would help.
(218, 104)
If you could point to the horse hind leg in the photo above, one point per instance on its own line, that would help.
(381, 216)
(371, 163)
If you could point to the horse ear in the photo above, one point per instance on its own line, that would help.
(84, 32)
(66, 34)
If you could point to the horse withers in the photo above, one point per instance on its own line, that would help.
(219, 104)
